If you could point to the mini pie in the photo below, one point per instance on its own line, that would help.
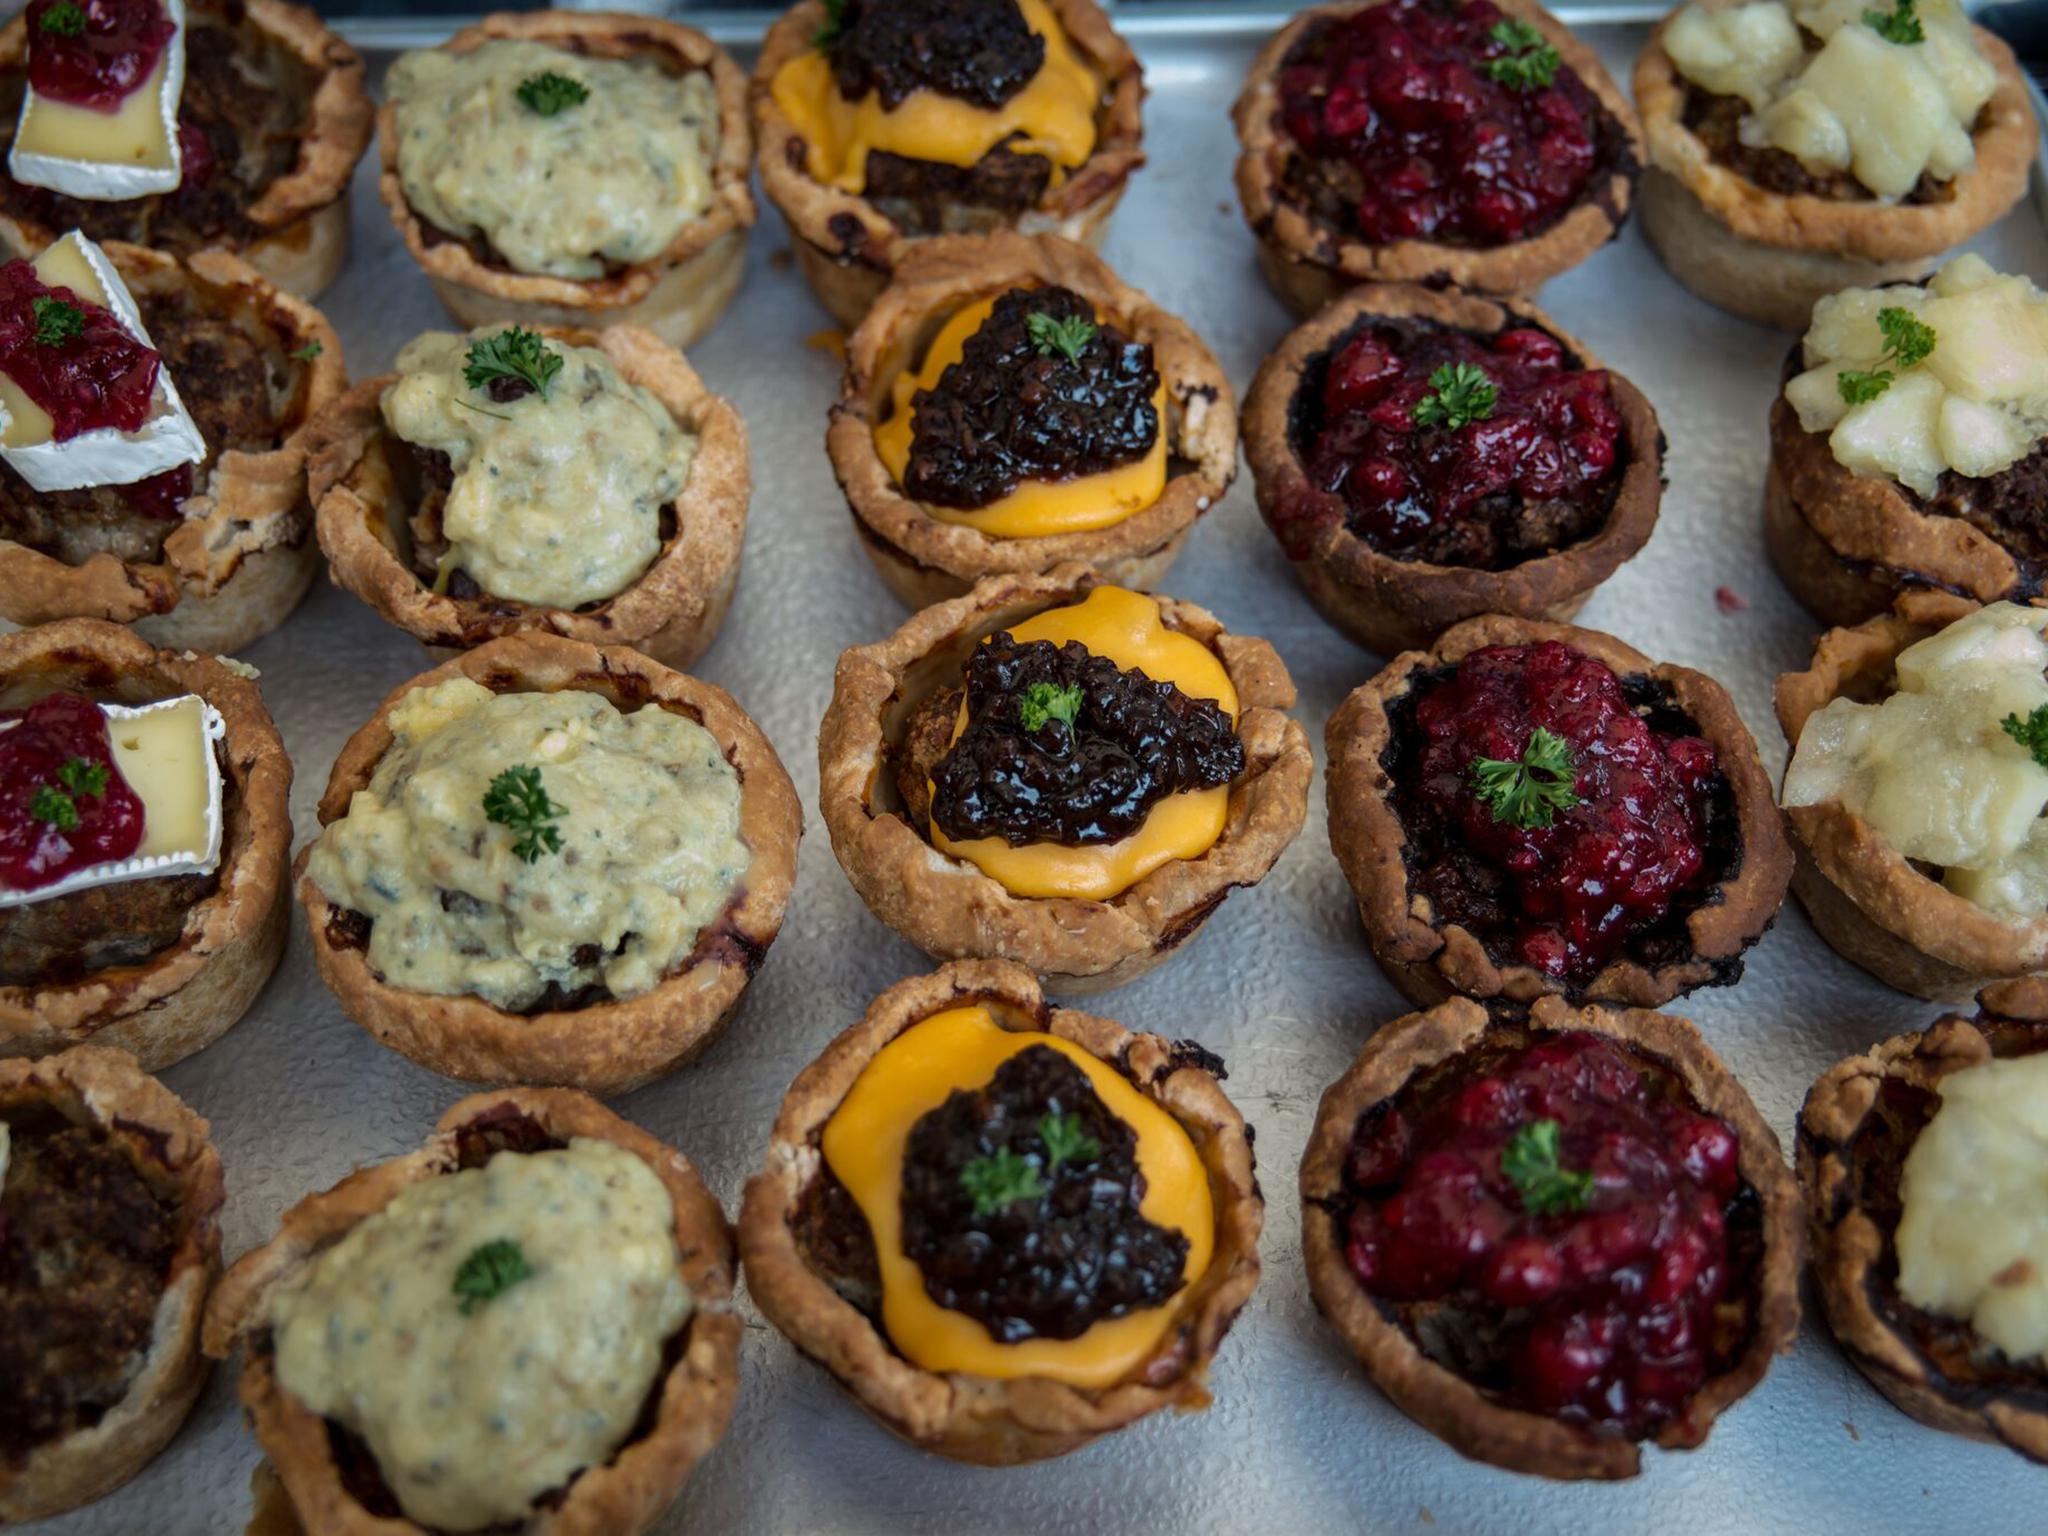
(519, 1144)
(618, 1006)
(1753, 226)
(1105, 868)
(1074, 483)
(114, 1185)
(1524, 498)
(220, 564)
(1003, 1372)
(380, 500)
(159, 966)
(679, 287)
(274, 117)
(1008, 114)
(1483, 838)
(1335, 202)
(1861, 1124)
(1500, 1346)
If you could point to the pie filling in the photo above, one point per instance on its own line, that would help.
(1560, 1225)
(1440, 121)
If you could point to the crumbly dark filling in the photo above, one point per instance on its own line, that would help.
(1714, 121)
(977, 51)
(930, 197)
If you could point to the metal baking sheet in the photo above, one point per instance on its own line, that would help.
(1280, 983)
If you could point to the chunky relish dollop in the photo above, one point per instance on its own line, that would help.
(977, 51)
(94, 53)
(72, 357)
(1569, 1211)
(63, 802)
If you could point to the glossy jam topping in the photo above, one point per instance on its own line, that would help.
(94, 53)
(63, 802)
(1410, 135)
(1567, 1213)
(72, 357)
(976, 51)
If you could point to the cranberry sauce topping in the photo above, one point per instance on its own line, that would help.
(1020, 1206)
(1063, 746)
(1043, 391)
(63, 803)
(1431, 120)
(1571, 1187)
(1558, 812)
(1458, 449)
(72, 357)
(94, 53)
(977, 51)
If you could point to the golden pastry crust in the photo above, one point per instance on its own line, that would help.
(848, 250)
(1309, 264)
(1386, 603)
(679, 294)
(608, 1047)
(106, 1090)
(988, 1420)
(1430, 958)
(671, 612)
(626, 1495)
(1464, 1416)
(1767, 256)
(924, 560)
(244, 555)
(1865, 897)
(947, 906)
(185, 997)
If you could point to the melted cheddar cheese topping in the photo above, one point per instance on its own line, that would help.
(1127, 628)
(864, 1144)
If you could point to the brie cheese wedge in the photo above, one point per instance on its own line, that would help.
(106, 156)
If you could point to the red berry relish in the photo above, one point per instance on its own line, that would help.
(72, 357)
(63, 802)
(94, 53)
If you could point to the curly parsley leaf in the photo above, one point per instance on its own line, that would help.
(548, 93)
(511, 363)
(308, 352)
(833, 27)
(64, 19)
(1530, 1163)
(1066, 337)
(1066, 1140)
(1529, 64)
(1041, 702)
(83, 777)
(489, 1272)
(1531, 792)
(517, 800)
(2031, 733)
(1458, 393)
(51, 806)
(56, 321)
(1899, 26)
(999, 1180)
(1907, 341)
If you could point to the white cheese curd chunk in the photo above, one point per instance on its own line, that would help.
(107, 156)
(1973, 1230)
(606, 181)
(557, 497)
(472, 1415)
(649, 846)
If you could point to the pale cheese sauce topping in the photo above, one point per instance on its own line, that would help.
(471, 1417)
(557, 498)
(608, 181)
(650, 851)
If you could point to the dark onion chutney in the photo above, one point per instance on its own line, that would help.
(977, 51)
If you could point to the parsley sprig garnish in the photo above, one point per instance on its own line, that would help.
(309, 351)
(1458, 393)
(83, 776)
(1907, 341)
(65, 19)
(2031, 733)
(511, 363)
(1066, 337)
(1000, 1179)
(489, 1272)
(1041, 702)
(833, 27)
(1530, 63)
(1531, 792)
(517, 800)
(52, 806)
(1530, 1163)
(1899, 26)
(56, 321)
(56, 805)
(1066, 1140)
(548, 93)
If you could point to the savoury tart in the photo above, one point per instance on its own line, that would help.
(601, 974)
(1332, 193)
(1036, 717)
(489, 1166)
(1485, 794)
(674, 244)
(1516, 475)
(381, 502)
(1130, 439)
(1615, 1133)
(1017, 1366)
(958, 118)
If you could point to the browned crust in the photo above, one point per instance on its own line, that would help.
(671, 612)
(106, 1089)
(848, 250)
(1389, 604)
(623, 1497)
(1309, 263)
(677, 294)
(1430, 960)
(1865, 897)
(924, 559)
(1449, 1407)
(185, 997)
(983, 1419)
(947, 906)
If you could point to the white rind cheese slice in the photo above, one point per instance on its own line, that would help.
(107, 156)
(104, 455)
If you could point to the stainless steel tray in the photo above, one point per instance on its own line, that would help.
(1281, 983)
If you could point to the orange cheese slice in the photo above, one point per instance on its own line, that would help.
(864, 1144)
